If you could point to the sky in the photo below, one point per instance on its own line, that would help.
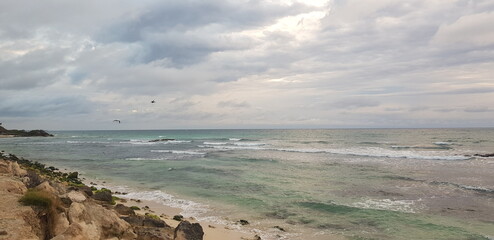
(79, 65)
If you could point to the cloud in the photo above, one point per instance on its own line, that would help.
(283, 63)
(186, 32)
(233, 104)
(47, 106)
(36, 68)
(467, 31)
(480, 109)
(354, 103)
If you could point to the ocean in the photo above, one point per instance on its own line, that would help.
(295, 184)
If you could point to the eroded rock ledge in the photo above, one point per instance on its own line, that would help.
(38, 205)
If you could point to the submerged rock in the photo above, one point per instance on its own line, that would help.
(485, 155)
(162, 140)
(243, 222)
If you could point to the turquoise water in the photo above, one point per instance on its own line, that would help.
(315, 184)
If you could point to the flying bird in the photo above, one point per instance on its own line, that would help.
(153, 101)
(116, 120)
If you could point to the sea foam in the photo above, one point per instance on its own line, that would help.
(408, 206)
(179, 152)
(189, 208)
(359, 151)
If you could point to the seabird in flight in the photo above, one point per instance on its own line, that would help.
(116, 120)
(153, 101)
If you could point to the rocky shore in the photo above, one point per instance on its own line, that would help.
(23, 133)
(39, 202)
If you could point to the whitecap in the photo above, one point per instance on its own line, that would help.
(248, 144)
(177, 141)
(143, 159)
(381, 152)
(215, 143)
(179, 152)
(189, 208)
(408, 206)
(443, 143)
(87, 142)
(364, 152)
(230, 147)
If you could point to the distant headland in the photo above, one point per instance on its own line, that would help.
(23, 133)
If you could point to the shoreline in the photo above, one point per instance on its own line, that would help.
(212, 231)
(13, 173)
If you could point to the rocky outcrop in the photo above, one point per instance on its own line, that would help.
(17, 221)
(69, 212)
(24, 133)
(96, 222)
(104, 195)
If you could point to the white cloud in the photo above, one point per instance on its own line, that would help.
(468, 31)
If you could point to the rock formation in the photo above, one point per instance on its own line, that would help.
(51, 209)
(24, 133)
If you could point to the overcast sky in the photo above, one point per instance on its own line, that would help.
(246, 64)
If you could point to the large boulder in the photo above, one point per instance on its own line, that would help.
(145, 221)
(188, 231)
(60, 224)
(150, 228)
(46, 187)
(73, 232)
(76, 196)
(124, 210)
(17, 170)
(85, 189)
(97, 222)
(104, 196)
